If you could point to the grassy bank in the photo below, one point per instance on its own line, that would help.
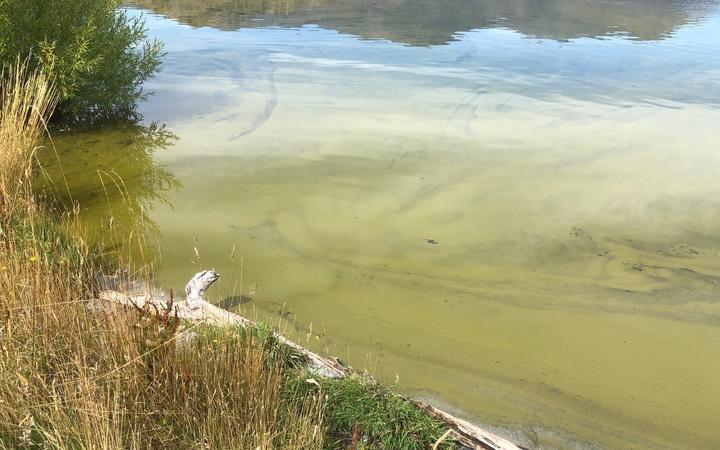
(70, 378)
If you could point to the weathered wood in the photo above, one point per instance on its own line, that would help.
(465, 432)
(196, 309)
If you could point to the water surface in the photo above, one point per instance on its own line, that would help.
(512, 205)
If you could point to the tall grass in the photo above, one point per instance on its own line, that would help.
(73, 378)
(27, 99)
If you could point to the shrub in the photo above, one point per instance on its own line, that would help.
(97, 55)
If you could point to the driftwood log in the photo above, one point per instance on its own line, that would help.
(196, 309)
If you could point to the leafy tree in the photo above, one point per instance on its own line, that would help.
(97, 55)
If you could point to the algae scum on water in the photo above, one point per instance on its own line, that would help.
(516, 215)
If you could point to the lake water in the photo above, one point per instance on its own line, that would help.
(511, 207)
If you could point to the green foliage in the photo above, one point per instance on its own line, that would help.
(98, 55)
(43, 240)
(362, 414)
(260, 333)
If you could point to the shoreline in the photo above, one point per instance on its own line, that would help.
(195, 309)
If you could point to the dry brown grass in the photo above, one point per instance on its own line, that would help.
(70, 378)
(26, 101)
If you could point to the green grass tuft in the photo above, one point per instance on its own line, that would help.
(366, 415)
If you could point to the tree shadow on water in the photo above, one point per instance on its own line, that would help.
(110, 177)
(234, 301)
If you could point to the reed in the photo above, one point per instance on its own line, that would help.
(27, 99)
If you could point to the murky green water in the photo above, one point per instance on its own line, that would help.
(513, 205)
